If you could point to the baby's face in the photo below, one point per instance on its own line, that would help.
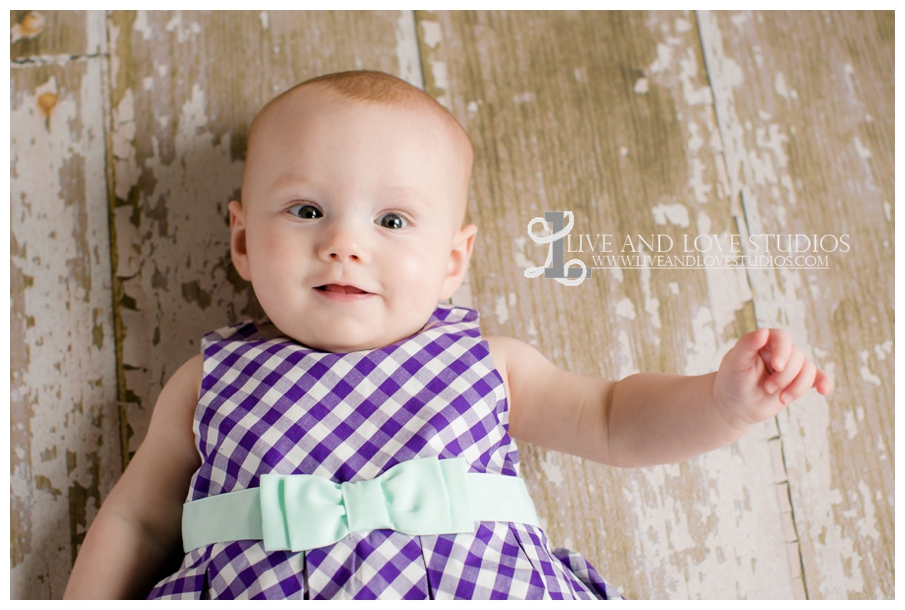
(349, 225)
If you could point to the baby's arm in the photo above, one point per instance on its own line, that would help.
(139, 525)
(652, 418)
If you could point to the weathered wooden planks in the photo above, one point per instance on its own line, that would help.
(56, 36)
(610, 115)
(805, 106)
(185, 88)
(785, 128)
(64, 444)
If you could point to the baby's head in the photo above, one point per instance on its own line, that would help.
(353, 198)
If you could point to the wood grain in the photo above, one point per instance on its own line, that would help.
(805, 105)
(610, 116)
(640, 123)
(64, 441)
(55, 36)
(186, 86)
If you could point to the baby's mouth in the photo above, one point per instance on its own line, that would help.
(341, 289)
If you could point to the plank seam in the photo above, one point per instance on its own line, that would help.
(418, 42)
(782, 453)
(739, 191)
(51, 60)
(116, 282)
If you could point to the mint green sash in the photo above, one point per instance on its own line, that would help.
(301, 512)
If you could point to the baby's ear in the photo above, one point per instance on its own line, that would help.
(237, 244)
(458, 260)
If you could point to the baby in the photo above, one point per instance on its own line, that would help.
(360, 446)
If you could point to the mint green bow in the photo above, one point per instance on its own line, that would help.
(418, 497)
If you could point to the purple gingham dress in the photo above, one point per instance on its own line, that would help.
(274, 405)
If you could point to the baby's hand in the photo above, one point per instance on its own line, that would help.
(761, 375)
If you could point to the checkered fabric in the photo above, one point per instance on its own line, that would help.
(274, 405)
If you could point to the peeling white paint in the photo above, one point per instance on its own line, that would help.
(883, 349)
(758, 56)
(501, 310)
(408, 56)
(265, 20)
(432, 34)
(625, 359)
(699, 187)
(205, 174)
(682, 25)
(31, 26)
(182, 33)
(851, 428)
(651, 303)
(441, 81)
(779, 85)
(867, 525)
(774, 140)
(551, 467)
(847, 71)
(124, 163)
(866, 374)
(522, 261)
(532, 333)
(739, 19)
(624, 308)
(663, 61)
(831, 556)
(674, 213)
(862, 150)
(641, 86)
(63, 428)
(695, 142)
(142, 26)
(703, 349)
(688, 73)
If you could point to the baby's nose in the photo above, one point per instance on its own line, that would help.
(342, 246)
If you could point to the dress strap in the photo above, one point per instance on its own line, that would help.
(425, 496)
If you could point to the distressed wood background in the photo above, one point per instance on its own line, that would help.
(127, 142)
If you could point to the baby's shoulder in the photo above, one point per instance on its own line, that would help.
(186, 381)
(510, 354)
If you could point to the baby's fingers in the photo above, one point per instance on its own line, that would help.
(782, 378)
(802, 383)
(780, 348)
(823, 383)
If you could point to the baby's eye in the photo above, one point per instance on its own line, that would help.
(306, 211)
(392, 221)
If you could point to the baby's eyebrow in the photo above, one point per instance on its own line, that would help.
(288, 182)
(408, 193)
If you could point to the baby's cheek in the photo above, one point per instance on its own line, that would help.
(418, 264)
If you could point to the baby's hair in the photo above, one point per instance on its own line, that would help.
(371, 86)
(381, 88)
